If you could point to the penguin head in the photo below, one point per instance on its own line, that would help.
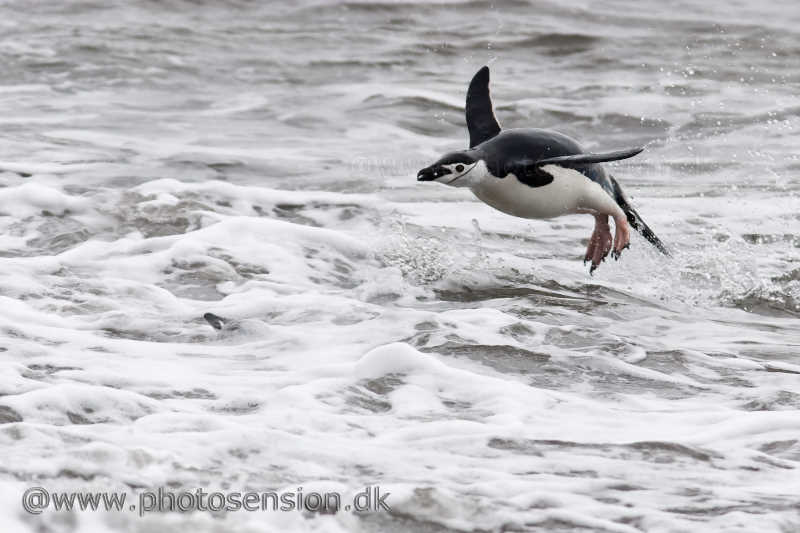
(454, 169)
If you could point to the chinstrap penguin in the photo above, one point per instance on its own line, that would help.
(227, 327)
(536, 173)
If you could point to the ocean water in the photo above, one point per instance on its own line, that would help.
(164, 159)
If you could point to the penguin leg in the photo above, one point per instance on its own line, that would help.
(622, 236)
(598, 202)
(599, 243)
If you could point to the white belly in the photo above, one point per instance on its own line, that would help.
(569, 192)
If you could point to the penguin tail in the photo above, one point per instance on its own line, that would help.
(635, 220)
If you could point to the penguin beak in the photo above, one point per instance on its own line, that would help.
(426, 174)
(432, 173)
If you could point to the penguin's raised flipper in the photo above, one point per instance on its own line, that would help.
(586, 159)
(481, 122)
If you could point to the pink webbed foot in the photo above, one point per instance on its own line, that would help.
(622, 236)
(601, 242)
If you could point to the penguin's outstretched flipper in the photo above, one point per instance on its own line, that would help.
(587, 159)
(481, 122)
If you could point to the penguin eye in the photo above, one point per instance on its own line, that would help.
(459, 168)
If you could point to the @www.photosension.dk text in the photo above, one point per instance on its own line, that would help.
(35, 500)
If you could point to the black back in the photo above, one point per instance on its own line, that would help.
(481, 122)
(519, 150)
